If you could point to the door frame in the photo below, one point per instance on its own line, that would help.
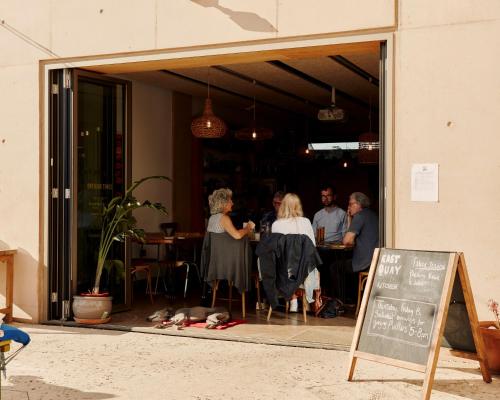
(210, 55)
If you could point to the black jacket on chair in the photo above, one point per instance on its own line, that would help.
(285, 261)
(226, 258)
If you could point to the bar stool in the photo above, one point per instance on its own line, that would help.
(147, 270)
(362, 277)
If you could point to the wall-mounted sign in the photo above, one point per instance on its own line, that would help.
(425, 182)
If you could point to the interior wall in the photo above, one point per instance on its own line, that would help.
(152, 151)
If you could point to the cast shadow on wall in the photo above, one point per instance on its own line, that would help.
(246, 20)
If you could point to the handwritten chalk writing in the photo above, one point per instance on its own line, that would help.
(427, 265)
(390, 258)
(400, 320)
(387, 285)
(388, 269)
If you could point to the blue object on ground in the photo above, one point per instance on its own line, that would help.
(15, 334)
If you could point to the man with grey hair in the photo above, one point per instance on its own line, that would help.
(362, 231)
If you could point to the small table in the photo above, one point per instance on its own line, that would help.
(340, 252)
(7, 256)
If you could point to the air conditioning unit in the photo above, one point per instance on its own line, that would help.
(332, 113)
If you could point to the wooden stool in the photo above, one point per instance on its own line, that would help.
(362, 277)
(147, 270)
(215, 286)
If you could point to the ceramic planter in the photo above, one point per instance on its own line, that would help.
(92, 309)
(491, 339)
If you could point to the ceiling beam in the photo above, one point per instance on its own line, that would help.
(266, 86)
(318, 83)
(356, 69)
(230, 92)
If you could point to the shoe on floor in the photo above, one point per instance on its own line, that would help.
(294, 305)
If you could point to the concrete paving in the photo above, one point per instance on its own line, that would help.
(79, 363)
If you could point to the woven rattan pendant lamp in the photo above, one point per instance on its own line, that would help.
(368, 144)
(208, 125)
(254, 132)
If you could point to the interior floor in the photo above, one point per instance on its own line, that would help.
(282, 328)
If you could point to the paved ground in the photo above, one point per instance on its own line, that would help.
(77, 364)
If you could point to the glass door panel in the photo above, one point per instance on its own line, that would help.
(101, 139)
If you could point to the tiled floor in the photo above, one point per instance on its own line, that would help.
(281, 329)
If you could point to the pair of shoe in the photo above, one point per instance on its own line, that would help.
(294, 305)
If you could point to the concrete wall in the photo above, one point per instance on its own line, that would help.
(446, 99)
(447, 111)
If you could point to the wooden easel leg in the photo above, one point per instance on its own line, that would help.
(474, 323)
(352, 367)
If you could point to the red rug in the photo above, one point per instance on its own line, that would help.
(229, 324)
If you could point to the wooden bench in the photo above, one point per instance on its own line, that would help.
(7, 256)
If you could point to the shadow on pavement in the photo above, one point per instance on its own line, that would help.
(33, 387)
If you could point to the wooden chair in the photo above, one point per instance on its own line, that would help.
(226, 259)
(215, 287)
(362, 277)
(146, 269)
(299, 293)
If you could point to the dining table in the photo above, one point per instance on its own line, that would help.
(172, 244)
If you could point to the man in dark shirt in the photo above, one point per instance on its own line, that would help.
(362, 231)
(268, 218)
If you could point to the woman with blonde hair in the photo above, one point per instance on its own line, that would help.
(291, 221)
(291, 218)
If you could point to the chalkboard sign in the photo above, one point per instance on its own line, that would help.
(412, 300)
(403, 304)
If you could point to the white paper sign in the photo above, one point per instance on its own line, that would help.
(424, 182)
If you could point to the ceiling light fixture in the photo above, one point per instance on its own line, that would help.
(254, 132)
(208, 125)
(369, 144)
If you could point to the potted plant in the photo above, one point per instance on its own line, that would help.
(490, 330)
(117, 224)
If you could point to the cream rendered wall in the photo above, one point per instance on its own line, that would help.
(31, 31)
(447, 104)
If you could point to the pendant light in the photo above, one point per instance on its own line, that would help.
(254, 132)
(208, 125)
(369, 144)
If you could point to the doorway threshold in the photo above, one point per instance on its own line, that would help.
(329, 337)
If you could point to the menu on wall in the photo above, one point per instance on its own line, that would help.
(403, 304)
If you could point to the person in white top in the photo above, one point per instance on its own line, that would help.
(291, 221)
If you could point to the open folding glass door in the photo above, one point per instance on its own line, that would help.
(89, 165)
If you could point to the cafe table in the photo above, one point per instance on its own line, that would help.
(159, 239)
(340, 254)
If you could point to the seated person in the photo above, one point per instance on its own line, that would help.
(221, 204)
(291, 221)
(331, 217)
(268, 218)
(362, 231)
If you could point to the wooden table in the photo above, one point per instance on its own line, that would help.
(340, 253)
(7, 256)
(159, 238)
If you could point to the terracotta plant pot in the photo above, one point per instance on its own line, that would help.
(491, 339)
(89, 309)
